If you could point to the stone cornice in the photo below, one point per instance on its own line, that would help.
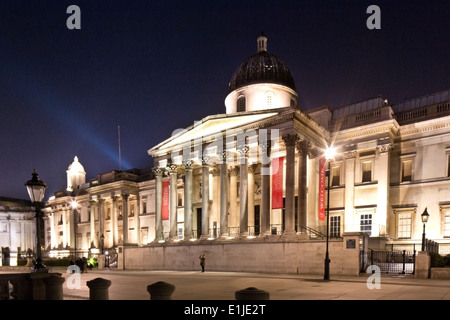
(415, 129)
(389, 126)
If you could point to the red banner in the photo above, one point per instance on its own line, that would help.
(322, 178)
(165, 200)
(277, 183)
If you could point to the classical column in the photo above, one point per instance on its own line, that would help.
(205, 198)
(349, 223)
(290, 140)
(158, 204)
(243, 191)
(265, 189)
(383, 190)
(214, 213)
(233, 220)
(114, 222)
(302, 147)
(101, 218)
(92, 223)
(53, 230)
(125, 217)
(138, 220)
(188, 199)
(173, 219)
(224, 196)
(65, 229)
(251, 197)
(72, 228)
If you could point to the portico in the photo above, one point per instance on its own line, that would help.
(233, 166)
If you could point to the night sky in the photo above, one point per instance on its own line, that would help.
(152, 67)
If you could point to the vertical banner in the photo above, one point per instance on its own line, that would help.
(277, 183)
(165, 200)
(322, 178)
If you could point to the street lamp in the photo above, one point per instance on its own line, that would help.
(329, 155)
(36, 191)
(424, 217)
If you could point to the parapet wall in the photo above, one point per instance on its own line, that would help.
(269, 255)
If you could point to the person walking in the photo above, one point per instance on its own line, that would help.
(202, 261)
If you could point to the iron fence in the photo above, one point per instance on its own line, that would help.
(400, 262)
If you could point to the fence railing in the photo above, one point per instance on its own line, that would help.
(401, 262)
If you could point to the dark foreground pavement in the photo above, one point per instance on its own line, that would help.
(195, 285)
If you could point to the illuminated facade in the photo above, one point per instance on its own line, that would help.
(17, 230)
(217, 179)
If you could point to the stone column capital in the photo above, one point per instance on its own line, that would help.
(290, 139)
(234, 171)
(188, 164)
(158, 171)
(206, 161)
(252, 168)
(303, 146)
(172, 168)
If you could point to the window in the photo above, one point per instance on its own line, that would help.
(406, 171)
(180, 199)
(366, 223)
(335, 226)
(448, 165)
(446, 224)
(144, 206)
(366, 168)
(131, 211)
(404, 225)
(241, 104)
(335, 176)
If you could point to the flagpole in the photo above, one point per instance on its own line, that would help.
(120, 160)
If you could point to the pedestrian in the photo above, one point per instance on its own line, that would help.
(202, 261)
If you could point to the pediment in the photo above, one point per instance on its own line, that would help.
(213, 126)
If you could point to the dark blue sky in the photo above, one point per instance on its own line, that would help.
(151, 67)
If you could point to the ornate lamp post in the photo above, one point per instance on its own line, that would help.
(36, 190)
(329, 155)
(424, 217)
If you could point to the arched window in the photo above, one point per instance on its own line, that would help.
(241, 104)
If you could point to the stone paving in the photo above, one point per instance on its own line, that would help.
(195, 285)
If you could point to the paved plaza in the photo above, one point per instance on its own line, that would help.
(195, 285)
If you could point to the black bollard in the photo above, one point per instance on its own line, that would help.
(251, 293)
(54, 287)
(98, 289)
(161, 290)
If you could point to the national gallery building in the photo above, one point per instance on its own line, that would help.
(259, 173)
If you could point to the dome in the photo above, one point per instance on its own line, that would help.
(76, 166)
(261, 67)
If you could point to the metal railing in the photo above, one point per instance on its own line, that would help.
(401, 262)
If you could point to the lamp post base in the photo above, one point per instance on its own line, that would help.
(326, 275)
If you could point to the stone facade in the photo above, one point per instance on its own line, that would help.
(214, 181)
